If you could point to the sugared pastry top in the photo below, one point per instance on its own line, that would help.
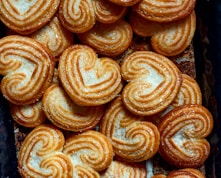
(27, 67)
(89, 80)
(124, 2)
(153, 82)
(25, 17)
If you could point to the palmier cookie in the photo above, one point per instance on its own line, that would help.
(133, 140)
(154, 82)
(90, 152)
(27, 67)
(183, 131)
(54, 36)
(164, 11)
(119, 169)
(107, 12)
(87, 79)
(124, 2)
(26, 17)
(109, 39)
(187, 172)
(41, 154)
(64, 113)
(28, 115)
(77, 16)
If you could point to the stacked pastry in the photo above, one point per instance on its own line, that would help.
(101, 87)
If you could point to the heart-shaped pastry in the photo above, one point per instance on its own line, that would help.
(64, 113)
(183, 131)
(108, 12)
(54, 36)
(187, 172)
(133, 140)
(77, 15)
(90, 152)
(27, 67)
(25, 16)
(164, 11)
(109, 39)
(154, 82)
(87, 79)
(125, 169)
(41, 154)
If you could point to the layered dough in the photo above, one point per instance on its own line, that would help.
(164, 11)
(64, 113)
(153, 82)
(133, 140)
(183, 131)
(27, 67)
(89, 80)
(26, 17)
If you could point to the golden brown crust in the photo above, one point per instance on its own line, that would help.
(120, 169)
(64, 113)
(28, 115)
(77, 16)
(154, 82)
(41, 154)
(27, 68)
(87, 79)
(125, 2)
(183, 131)
(164, 11)
(109, 39)
(108, 12)
(174, 37)
(133, 140)
(90, 149)
(188, 172)
(26, 17)
(54, 36)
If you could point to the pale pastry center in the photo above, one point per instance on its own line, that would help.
(23, 5)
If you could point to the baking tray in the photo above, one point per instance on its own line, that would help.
(207, 54)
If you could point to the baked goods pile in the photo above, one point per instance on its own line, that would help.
(95, 104)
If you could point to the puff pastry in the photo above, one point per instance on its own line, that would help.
(90, 151)
(54, 36)
(109, 39)
(164, 11)
(77, 16)
(108, 12)
(28, 115)
(64, 113)
(183, 131)
(41, 154)
(154, 82)
(188, 172)
(27, 67)
(133, 140)
(89, 80)
(26, 17)
(124, 2)
(119, 169)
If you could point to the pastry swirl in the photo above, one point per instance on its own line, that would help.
(41, 154)
(173, 38)
(164, 11)
(107, 12)
(64, 113)
(26, 17)
(87, 79)
(154, 82)
(133, 140)
(89, 150)
(124, 2)
(54, 36)
(27, 68)
(28, 115)
(187, 172)
(183, 131)
(77, 16)
(125, 169)
(109, 39)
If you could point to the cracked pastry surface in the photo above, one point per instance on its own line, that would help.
(26, 17)
(87, 79)
(27, 68)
